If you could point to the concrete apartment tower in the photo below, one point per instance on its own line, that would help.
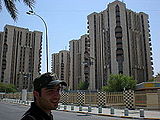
(85, 58)
(20, 56)
(61, 65)
(64, 58)
(120, 43)
(79, 61)
(75, 64)
(55, 63)
(1, 40)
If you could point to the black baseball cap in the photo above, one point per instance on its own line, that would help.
(47, 80)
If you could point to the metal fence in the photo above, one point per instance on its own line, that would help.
(93, 98)
(114, 99)
(142, 99)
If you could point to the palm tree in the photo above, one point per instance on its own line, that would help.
(11, 7)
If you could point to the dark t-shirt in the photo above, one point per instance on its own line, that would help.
(35, 113)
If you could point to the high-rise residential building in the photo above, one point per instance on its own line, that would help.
(75, 64)
(61, 64)
(64, 59)
(79, 61)
(1, 39)
(55, 63)
(120, 43)
(85, 58)
(20, 56)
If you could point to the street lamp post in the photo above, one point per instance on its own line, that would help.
(89, 62)
(31, 12)
(27, 77)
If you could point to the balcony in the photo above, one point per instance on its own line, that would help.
(151, 48)
(119, 41)
(119, 46)
(86, 71)
(118, 35)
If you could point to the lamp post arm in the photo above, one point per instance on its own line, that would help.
(42, 20)
(46, 37)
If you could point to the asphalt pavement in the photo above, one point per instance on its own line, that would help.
(12, 111)
(94, 111)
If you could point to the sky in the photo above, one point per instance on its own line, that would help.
(67, 20)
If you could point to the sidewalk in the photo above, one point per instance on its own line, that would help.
(133, 114)
(119, 113)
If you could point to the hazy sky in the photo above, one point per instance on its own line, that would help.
(67, 20)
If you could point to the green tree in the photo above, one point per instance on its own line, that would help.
(11, 7)
(83, 85)
(7, 88)
(119, 82)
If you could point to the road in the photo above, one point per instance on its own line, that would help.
(10, 111)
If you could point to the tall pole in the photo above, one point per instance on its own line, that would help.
(46, 29)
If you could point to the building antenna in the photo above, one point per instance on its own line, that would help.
(123, 1)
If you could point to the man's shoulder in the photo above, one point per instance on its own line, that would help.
(28, 117)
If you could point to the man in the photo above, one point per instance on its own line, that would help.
(46, 97)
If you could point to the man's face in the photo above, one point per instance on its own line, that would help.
(49, 98)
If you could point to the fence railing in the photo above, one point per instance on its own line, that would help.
(114, 99)
(120, 99)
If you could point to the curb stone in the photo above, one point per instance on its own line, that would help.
(126, 117)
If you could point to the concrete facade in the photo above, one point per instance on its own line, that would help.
(1, 40)
(20, 56)
(75, 64)
(64, 58)
(55, 63)
(79, 61)
(61, 65)
(120, 43)
(85, 61)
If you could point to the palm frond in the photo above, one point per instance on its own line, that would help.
(10, 6)
(0, 5)
(29, 3)
(16, 0)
